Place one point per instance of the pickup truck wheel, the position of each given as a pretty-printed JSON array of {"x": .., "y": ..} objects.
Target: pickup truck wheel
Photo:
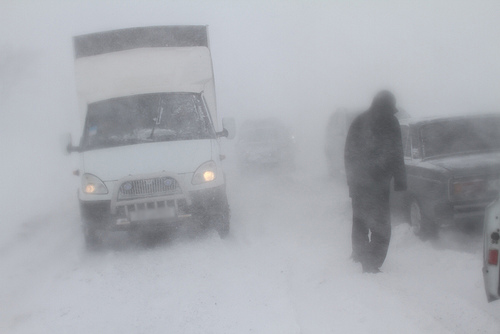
[{"x": 420, "y": 226}]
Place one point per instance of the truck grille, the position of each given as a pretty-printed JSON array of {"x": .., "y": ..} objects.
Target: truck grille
[
  {"x": 160, "y": 186},
  {"x": 154, "y": 210}
]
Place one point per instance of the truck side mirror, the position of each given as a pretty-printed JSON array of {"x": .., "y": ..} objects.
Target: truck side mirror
[
  {"x": 229, "y": 128},
  {"x": 66, "y": 143}
]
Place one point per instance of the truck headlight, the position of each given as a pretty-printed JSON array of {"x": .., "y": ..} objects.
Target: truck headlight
[
  {"x": 205, "y": 173},
  {"x": 92, "y": 185}
]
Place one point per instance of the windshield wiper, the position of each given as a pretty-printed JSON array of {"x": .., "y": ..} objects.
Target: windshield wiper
[{"x": 157, "y": 120}]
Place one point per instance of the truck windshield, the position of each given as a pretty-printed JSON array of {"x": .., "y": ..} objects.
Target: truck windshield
[
  {"x": 460, "y": 136},
  {"x": 146, "y": 118}
]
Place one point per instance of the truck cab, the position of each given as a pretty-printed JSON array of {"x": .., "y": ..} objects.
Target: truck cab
[{"x": 149, "y": 150}]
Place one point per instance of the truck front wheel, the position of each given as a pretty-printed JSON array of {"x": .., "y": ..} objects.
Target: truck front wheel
[
  {"x": 93, "y": 215},
  {"x": 94, "y": 237},
  {"x": 222, "y": 225}
]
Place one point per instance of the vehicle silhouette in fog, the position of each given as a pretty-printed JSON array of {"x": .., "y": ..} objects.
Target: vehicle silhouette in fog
[
  {"x": 452, "y": 164},
  {"x": 265, "y": 143},
  {"x": 335, "y": 136}
]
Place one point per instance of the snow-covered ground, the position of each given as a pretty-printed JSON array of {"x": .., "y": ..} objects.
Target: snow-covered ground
[{"x": 284, "y": 269}]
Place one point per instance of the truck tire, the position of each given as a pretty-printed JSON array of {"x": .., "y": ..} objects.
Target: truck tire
[
  {"x": 92, "y": 216},
  {"x": 221, "y": 224},
  {"x": 420, "y": 225},
  {"x": 93, "y": 236}
]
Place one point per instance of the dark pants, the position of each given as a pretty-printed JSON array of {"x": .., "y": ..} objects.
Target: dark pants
[{"x": 371, "y": 225}]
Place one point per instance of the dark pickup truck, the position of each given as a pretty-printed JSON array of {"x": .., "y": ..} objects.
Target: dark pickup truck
[{"x": 453, "y": 167}]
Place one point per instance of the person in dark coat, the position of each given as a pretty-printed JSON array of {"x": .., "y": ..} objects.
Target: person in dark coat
[{"x": 373, "y": 157}]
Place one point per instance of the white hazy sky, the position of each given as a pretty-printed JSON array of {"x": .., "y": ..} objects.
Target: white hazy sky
[
  {"x": 297, "y": 59},
  {"x": 306, "y": 56}
]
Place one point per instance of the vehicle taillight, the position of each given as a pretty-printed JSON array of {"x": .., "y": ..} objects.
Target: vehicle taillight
[{"x": 493, "y": 257}]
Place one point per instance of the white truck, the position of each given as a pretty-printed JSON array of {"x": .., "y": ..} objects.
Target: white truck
[{"x": 149, "y": 151}]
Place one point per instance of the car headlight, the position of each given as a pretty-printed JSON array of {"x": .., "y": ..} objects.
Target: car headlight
[
  {"x": 205, "y": 173},
  {"x": 92, "y": 185},
  {"x": 470, "y": 189}
]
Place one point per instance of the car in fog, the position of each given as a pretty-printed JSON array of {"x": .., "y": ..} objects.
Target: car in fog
[
  {"x": 335, "y": 135},
  {"x": 265, "y": 142},
  {"x": 453, "y": 166}
]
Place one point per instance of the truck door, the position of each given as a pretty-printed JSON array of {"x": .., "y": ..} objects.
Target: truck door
[{"x": 491, "y": 265}]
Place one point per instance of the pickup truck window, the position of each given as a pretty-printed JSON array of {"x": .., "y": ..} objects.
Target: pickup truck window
[
  {"x": 146, "y": 118},
  {"x": 459, "y": 136}
]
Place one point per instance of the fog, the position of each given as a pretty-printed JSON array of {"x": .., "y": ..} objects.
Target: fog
[{"x": 295, "y": 60}]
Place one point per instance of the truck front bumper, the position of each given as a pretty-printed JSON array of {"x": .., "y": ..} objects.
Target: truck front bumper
[
  {"x": 156, "y": 212},
  {"x": 452, "y": 213}
]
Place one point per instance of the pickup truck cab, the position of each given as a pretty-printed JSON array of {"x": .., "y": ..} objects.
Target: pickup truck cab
[
  {"x": 453, "y": 166},
  {"x": 149, "y": 149}
]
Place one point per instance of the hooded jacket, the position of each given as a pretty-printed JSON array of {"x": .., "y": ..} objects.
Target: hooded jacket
[{"x": 374, "y": 150}]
